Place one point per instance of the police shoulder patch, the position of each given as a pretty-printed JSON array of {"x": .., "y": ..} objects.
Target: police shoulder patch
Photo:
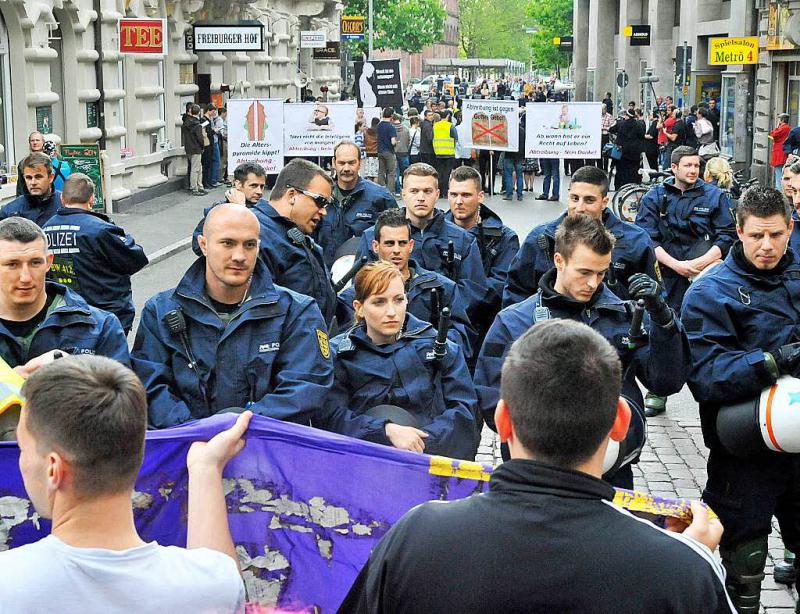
[{"x": 324, "y": 346}]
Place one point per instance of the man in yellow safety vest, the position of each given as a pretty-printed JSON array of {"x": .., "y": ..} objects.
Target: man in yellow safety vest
[{"x": 444, "y": 146}]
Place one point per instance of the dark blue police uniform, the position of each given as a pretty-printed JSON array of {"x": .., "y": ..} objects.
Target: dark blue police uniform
[
  {"x": 403, "y": 374},
  {"x": 794, "y": 239},
  {"x": 34, "y": 208},
  {"x": 686, "y": 224},
  {"x": 632, "y": 254},
  {"x": 96, "y": 258},
  {"x": 351, "y": 214},
  {"x": 72, "y": 326},
  {"x": 272, "y": 357}
]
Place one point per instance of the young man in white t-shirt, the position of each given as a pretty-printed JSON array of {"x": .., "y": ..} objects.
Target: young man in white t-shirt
[{"x": 81, "y": 439}]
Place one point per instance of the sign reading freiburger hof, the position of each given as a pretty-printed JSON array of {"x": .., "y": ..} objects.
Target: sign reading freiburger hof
[
  {"x": 562, "y": 130},
  {"x": 229, "y": 37}
]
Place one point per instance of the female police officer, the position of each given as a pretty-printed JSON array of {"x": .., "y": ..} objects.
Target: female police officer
[{"x": 390, "y": 386}]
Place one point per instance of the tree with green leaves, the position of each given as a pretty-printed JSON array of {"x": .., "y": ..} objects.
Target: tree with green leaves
[
  {"x": 408, "y": 25},
  {"x": 552, "y": 18},
  {"x": 494, "y": 29}
]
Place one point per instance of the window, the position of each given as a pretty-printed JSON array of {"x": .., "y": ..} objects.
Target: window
[{"x": 6, "y": 125}]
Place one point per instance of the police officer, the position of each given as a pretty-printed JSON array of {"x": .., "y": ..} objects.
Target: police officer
[
  {"x": 38, "y": 317},
  {"x": 497, "y": 242},
  {"x": 295, "y": 210},
  {"x": 41, "y": 200},
  {"x": 427, "y": 292},
  {"x": 743, "y": 325},
  {"x": 432, "y": 235},
  {"x": 588, "y": 194},
  {"x": 690, "y": 227},
  {"x": 391, "y": 358},
  {"x": 574, "y": 289},
  {"x": 92, "y": 255},
  {"x": 356, "y": 201},
  {"x": 227, "y": 337}
]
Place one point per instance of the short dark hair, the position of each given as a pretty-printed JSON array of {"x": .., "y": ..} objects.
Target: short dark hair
[
  {"x": 467, "y": 173},
  {"x": 21, "y": 230},
  {"x": 210, "y": 107},
  {"x": 195, "y": 109},
  {"x": 77, "y": 190},
  {"x": 37, "y": 159},
  {"x": 762, "y": 202},
  {"x": 95, "y": 410},
  {"x": 241, "y": 172},
  {"x": 391, "y": 218},
  {"x": 299, "y": 173},
  {"x": 702, "y": 112},
  {"x": 583, "y": 230},
  {"x": 388, "y": 112},
  {"x": 684, "y": 151},
  {"x": 593, "y": 175},
  {"x": 420, "y": 169},
  {"x": 561, "y": 381}
]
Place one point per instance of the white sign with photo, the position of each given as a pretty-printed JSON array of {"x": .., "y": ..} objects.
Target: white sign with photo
[
  {"x": 491, "y": 124},
  {"x": 313, "y": 129},
  {"x": 255, "y": 133},
  {"x": 563, "y": 130}
]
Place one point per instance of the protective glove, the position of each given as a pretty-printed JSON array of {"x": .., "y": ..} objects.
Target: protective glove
[
  {"x": 641, "y": 286},
  {"x": 787, "y": 359}
]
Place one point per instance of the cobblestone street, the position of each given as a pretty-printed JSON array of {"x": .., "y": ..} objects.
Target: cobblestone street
[{"x": 673, "y": 464}]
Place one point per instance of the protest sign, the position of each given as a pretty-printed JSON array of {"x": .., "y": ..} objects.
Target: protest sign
[
  {"x": 313, "y": 129},
  {"x": 562, "y": 130},
  {"x": 378, "y": 83},
  {"x": 491, "y": 124},
  {"x": 255, "y": 133}
]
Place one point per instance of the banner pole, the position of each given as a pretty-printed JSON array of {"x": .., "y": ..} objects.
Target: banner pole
[{"x": 491, "y": 173}]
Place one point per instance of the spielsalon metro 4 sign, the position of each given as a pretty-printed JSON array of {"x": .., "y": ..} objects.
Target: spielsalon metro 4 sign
[
  {"x": 733, "y": 50},
  {"x": 143, "y": 36}
]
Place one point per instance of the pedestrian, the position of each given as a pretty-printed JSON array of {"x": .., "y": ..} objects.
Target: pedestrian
[
  {"x": 545, "y": 509},
  {"x": 551, "y": 169},
  {"x": 389, "y": 360},
  {"x": 718, "y": 172},
  {"x": 588, "y": 194},
  {"x": 415, "y": 133},
  {"x": 61, "y": 168},
  {"x": 512, "y": 163},
  {"x": 274, "y": 361},
  {"x": 40, "y": 200},
  {"x": 402, "y": 150},
  {"x": 387, "y": 140},
  {"x": 210, "y": 157},
  {"x": 426, "y": 152},
  {"x": 444, "y": 146},
  {"x": 193, "y": 136},
  {"x": 675, "y": 133},
  {"x": 665, "y": 123},
  {"x": 221, "y": 124},
  {"x": 92, "y": 255},
  {"x": 371, "y": 164},
  {"x": 651, "y": 142},
  {"x": 691, "y": 138},
  {"x": 94, "y": 558},
  {"x": 608, "y": 103},
  {"x": 690, "y": 226},
  {"x": 778, "y": 137},
  {"x": 488, "y": 167},
  {"x": 606, "y": 121},
  {"x": 427, "y": 292},
  {"x": 704, "y": 133},
  {"x": 40, "y": 317},
  {"x": 630, "y": 140},
  {"x": 739, "y": 349},
  {"x": 35, "y": 145},
  {"x": 356, "y": 202},
  {"x": 530, "y": 168},
  {"x": 713, "y": 117}
]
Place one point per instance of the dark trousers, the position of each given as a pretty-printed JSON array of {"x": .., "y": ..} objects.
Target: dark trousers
[
  {"x": 627, "y": 172},
  {"x": 444, "y": 165}
]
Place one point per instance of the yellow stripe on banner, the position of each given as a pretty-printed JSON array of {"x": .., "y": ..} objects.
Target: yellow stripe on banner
[
  {"x": 451, "y": 468},
  {"x": 635, "y": 501}
]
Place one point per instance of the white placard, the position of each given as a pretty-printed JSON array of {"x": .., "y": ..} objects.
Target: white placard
[
  {"x": 562, "y": 130},
  {"x": 313, "y": 39},
  {"x": 491, "y": 124},
  {"x": 313, "y": 129},
  {"x": 229, "y": 38},
  {"x": 255, "y": 133}
]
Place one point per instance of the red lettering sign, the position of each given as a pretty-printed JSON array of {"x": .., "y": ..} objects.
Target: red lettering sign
[{"x": 142, "y": 36}]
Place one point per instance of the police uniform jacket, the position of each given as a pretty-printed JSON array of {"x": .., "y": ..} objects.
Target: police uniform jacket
[
  {"x": 430, "y": 247},
  {"x": 272, "y": 357},
  {"x": 74, "y": 327},
  {"x": 498, "y": 245},
  {"x": 701, "y": 213},
  {"x": 542, "y": 540},
  {"x": 403, "y": 374},
  {"x": 632, "y": 254},
  {"x": 33, "y": 208},
  {"x": 352, "y": 214},
  {"x": 96, "y": 258},
  {"x": 661, "y": 363},
  {"x": 420, "y": 303},
  {"x": 732, "y": 315},
  {"x": 794, "y": 239}
]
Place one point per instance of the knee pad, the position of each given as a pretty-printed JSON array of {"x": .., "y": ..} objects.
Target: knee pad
[{"x": 744, "y": 564}]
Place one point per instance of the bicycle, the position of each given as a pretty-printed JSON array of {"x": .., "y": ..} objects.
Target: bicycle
[{"x": 625, "y": 203}]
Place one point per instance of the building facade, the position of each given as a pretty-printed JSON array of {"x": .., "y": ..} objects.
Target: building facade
[
  {"x": 60, "y": 58},
  {"x": 599, "y": 34}
]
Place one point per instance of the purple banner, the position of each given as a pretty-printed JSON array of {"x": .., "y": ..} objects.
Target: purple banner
[{"x": 305, "y": 506}]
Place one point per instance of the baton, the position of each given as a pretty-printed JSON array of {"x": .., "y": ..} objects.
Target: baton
[
  {"x": 636, "y": 333},
  {"x": 440, "y": 345}
]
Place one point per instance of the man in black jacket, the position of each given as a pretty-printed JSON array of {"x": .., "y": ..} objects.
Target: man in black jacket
[
  {"x": 192, "y": 139},
  {"x": 522, "y": 546}
]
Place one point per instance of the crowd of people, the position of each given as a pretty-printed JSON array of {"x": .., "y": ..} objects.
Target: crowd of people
[{"x": 449, "y": 323}]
